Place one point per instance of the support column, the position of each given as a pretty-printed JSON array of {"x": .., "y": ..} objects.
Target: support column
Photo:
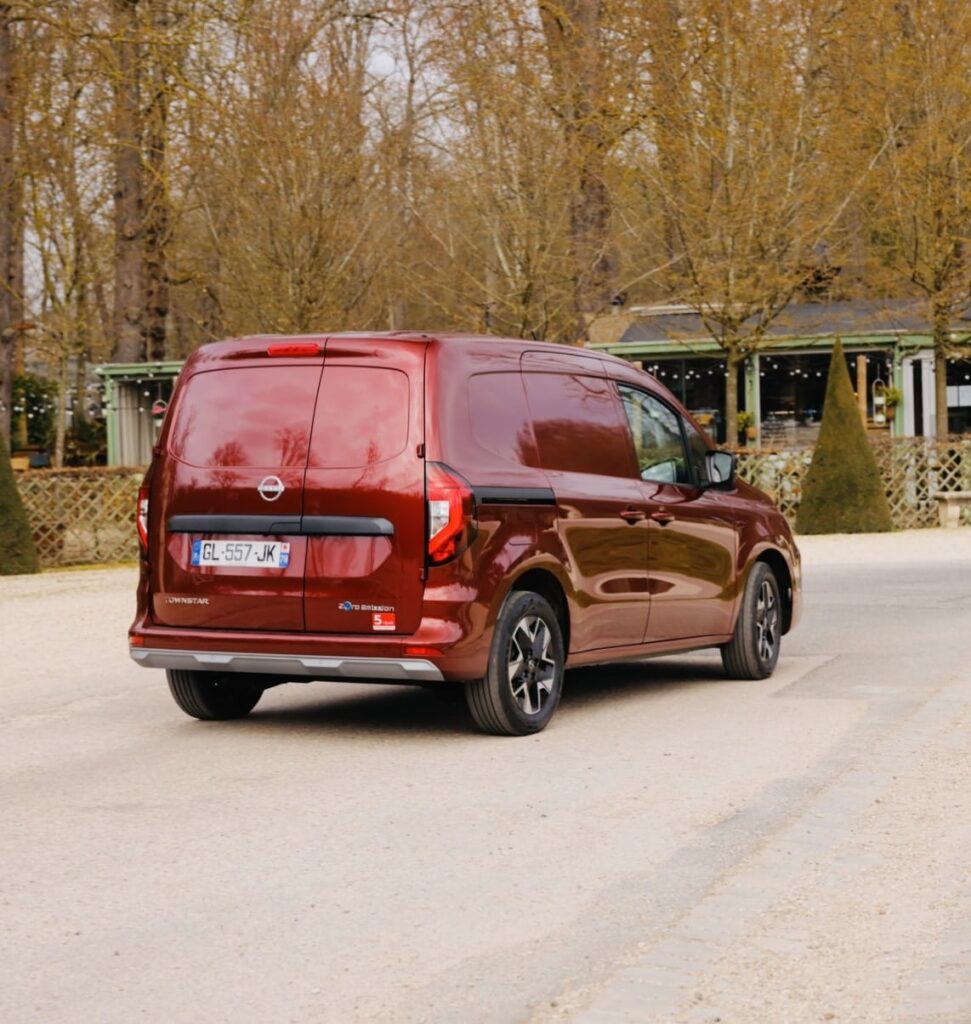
[
  {"x": 861, "y": 386},
  {"x": 897, "y": 427},
  {"x": 111, "y": 418}
]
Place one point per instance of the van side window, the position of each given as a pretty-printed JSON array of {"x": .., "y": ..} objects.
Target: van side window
[
  {"x": 578, "y": 424},
  {"x": 658, "y": 443}
]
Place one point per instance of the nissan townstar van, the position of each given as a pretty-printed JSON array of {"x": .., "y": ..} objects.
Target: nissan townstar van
[{"x": 456, "y": 511}]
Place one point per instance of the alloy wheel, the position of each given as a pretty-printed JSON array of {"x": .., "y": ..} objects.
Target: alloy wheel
[
  {"x": 766, "y": 621},
  {"x": 531, "y": 666}
]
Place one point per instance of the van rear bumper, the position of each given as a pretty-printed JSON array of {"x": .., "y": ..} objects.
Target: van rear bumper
[{"x": 290, "y": 666}]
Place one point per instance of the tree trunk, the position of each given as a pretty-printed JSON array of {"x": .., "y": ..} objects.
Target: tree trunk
[
  {"x": 211, "y": 307},
  {"x": 59, "y": 424},
  {"x": 940, "y": 392},
  {"x": 129, "y": 189},
  {"x": 80, "y": 411},
  {"x": 7, "y": 207},
  {"x": 942, "y": 337},
  {"x": 572, "y": 29},
  {"x": 157, "y": 198},
  {"x": 732, "y": 363}
]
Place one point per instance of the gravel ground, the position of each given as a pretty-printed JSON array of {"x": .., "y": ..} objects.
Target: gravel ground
[
  {"x": 674, "y": 849},
  {"x": 903, "y": 546}
]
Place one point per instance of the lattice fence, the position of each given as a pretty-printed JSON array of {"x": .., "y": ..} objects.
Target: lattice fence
[
  {"x": 88, "y": 515},
  {"x": 82, "y": 516},
  {"x": 913, "y": 470}
]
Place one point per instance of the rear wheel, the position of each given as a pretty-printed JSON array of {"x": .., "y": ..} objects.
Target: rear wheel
[
  {"x": 753, "y": 650},
  {"x": 524, "y": 679},
  {"x": 213, "y": 696}
]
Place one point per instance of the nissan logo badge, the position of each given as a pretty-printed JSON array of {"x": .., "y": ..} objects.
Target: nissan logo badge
[{"x": 270, "y": 488}]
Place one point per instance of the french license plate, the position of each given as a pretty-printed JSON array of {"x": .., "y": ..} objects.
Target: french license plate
[{"x": 257, "y": 554}]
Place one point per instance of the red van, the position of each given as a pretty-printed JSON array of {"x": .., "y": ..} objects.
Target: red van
[{"x": 428, "y": 509}]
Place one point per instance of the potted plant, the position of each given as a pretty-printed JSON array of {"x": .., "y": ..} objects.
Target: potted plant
[
  {"x": 892, "y": 397},
  {"x": 746, "y": 426}
]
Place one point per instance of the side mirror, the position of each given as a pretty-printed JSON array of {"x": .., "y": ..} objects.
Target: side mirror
[{"x": 721, "y": 470}]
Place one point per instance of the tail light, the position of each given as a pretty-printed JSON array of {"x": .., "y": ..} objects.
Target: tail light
[
  {"x": 141, "y": 517},
  {"x": 451, "y": 513}
]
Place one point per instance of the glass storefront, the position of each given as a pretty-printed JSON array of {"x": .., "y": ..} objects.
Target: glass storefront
[
  {"x": 959, "y": 395},
  {"x": 793, "y": 388},
  {"x": 699, "y": 384}
]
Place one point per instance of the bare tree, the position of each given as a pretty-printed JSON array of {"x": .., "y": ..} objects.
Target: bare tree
[
  {"x": 11, "y": 236},
  {"x": 740, "y": 105},
  {"x": 594, "y": 49},
  {"x": 918, "y": 103},
  {"x": 129, "y": 295}
]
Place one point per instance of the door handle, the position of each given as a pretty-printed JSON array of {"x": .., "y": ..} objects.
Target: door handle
[
  {"x": 633, "y": 515},
  {"x": 662, "y": 517}
]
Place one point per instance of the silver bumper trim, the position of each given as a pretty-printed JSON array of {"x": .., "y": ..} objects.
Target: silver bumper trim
[{"x": 294, "y": 666}]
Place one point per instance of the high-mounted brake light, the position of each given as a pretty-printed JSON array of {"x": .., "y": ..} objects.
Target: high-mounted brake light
[
  {"x": 141, "y": 517},
  {"x": 293, "y": 348},
  {"x": 451, "y": 513}
]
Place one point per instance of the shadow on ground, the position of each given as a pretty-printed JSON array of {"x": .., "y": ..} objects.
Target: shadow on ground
[{"x": 420, "y": 712}]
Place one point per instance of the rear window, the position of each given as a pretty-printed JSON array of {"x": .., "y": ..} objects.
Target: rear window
[
  {"x": 362, "y": 417},
  {"x": 579, "y": 424},
  {"x": 246, "y": 416}
]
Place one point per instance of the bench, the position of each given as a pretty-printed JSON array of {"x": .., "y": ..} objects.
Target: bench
[{"x": 949, "y": 504}]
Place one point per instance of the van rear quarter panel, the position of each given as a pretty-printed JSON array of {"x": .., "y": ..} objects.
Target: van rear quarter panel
[{"x": 477, "y": 387}]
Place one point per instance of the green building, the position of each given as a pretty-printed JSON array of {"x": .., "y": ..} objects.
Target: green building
[
  {"x": 136, "y": 396},
  {"x": 886, "y": 341}
]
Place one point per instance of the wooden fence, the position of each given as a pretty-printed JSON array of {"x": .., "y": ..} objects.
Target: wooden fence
[
  {"x": 913, "y": 470},
  {"x": 84, "y": 516}
]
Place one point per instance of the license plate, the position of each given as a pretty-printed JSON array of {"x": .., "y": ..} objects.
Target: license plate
[{"x": 257, "y": 554}]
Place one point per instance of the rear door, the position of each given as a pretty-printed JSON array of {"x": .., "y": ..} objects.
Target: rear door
[
  {"x": 231, "y": 490},
  {"x": 364, "y": 502}
]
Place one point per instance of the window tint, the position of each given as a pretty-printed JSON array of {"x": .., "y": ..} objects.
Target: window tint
[
  {"x": 361, "y": 418},
  {"x": 657, "y": 437},
  {"x": 246, "y": 416},
  {"x": 578, "y": 425},
  {"x": 500, "y": 418},
  {"x": 697, "y": 452}
]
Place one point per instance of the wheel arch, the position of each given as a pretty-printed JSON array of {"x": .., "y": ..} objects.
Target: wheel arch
[{"x": 544, "y": 582}]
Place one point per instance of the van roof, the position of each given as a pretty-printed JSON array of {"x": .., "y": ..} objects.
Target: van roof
[{"x": 254, "y": 344}]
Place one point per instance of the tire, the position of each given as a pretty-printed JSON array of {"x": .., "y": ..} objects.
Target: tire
[
  {"x": 213, "y": 696},
  {"x": 753, "y": 651},
  {"x": 524, "y": 679}
]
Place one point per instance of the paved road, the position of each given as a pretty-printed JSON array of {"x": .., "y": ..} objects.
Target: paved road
[{"x": 674, "y": 848}]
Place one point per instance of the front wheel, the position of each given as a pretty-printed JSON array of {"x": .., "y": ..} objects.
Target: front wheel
[
  {"x": 524, "y": 679},
  {"x": 753, "y": 650},
  {"x": 213, "y": 696}
]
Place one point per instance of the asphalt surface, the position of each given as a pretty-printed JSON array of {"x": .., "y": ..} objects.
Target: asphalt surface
[{"x": 674, "y": 848}]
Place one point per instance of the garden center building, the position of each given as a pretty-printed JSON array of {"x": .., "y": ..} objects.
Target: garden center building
[
  {"x": 783, "y": 384},
  {"x": 886, "y": 341}
]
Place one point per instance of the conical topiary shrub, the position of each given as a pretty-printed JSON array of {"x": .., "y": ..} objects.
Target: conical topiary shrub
[
  {"x": 17, "y": 551},
  {"x": 843, "y": 492}
]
